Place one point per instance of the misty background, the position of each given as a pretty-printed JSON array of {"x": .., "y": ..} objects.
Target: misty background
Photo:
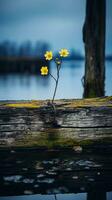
[{"x": 58, "y": 24}]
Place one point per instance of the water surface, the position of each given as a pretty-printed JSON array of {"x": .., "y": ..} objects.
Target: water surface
[
  {"x": 32, "y": 174},
  {"x": 26, "y": 86}
]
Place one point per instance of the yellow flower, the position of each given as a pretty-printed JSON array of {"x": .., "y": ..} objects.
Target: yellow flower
[
  {"x": 64, "y": 53},
  {"x": 48, "y": 55},
  {"x": 44, "y": 70}
]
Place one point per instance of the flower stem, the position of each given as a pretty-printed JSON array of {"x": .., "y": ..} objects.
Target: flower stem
[
  {"x": 58, "y": 69},
  {"x": 52, "y": 76}
]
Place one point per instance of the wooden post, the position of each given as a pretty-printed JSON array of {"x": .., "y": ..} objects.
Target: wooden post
[{"x": 94, "y": 39}]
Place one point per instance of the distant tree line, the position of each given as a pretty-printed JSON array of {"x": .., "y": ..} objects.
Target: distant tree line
[{"x": 26, "y": 48}]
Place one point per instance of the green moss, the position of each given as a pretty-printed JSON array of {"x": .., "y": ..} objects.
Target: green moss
[
  {"x": 33, "y": 140},
  {"x": 27, "y": 104},
  {"x": 45, "y": 142},
  {"x": 89, "y": 102}
]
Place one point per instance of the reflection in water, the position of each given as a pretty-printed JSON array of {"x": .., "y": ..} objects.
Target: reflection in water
[
  {"x": 38, "y": 87},
  {"x": 25, "y": 86},
  {"x": 55, "y": 174}
]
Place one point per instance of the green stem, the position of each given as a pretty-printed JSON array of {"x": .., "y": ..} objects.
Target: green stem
[
  {"x": 58, "y": 69},
  {"x": 52, "y": 76}
]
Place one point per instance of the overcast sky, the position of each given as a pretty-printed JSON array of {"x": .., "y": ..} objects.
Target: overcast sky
[{"x": 58, "y": 22}]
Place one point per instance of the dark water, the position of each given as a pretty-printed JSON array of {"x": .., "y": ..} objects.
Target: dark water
[
  {"x": 37, "y": 87},
  {"x": 51, "y": 175}
]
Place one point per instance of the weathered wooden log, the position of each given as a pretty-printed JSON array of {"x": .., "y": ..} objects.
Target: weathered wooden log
[{"x": 33, "y": 123}]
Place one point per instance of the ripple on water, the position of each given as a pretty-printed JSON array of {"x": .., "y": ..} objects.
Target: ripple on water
[
  {"x": 36, "y": 186},
  {"x": 75, "y": 177},
  {"x": 40, "y": 175},
  {"x": 15, "y": 178},
  {"x": 54, "y": 168},
  {"x": 27, "y": 180},
  {"x": 12, "y": 151},
  {"x": 28, "y": 192},
  {"x": 47, "y": 180},
  {"x": 69, "y": 169},
  {"x": 87, "y": 163},
  {"x": 50, "y": 172},
  {"x": 91, "y": 179},
  {"x": 48, "y": 162}
]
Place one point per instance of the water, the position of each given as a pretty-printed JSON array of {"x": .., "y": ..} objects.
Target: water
[
  {"x": 55, "y": 175},
  {"x": 48, "y": 197},
  {"x": 82, "y": 196},
  {"x": 32, "y": 175},
  {"x": 37, "y": 87}
]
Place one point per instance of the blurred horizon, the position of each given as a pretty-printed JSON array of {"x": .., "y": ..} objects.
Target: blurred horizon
[
  {"x": 31, "y": 27},
  {"x": 54, "y": 22}
]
